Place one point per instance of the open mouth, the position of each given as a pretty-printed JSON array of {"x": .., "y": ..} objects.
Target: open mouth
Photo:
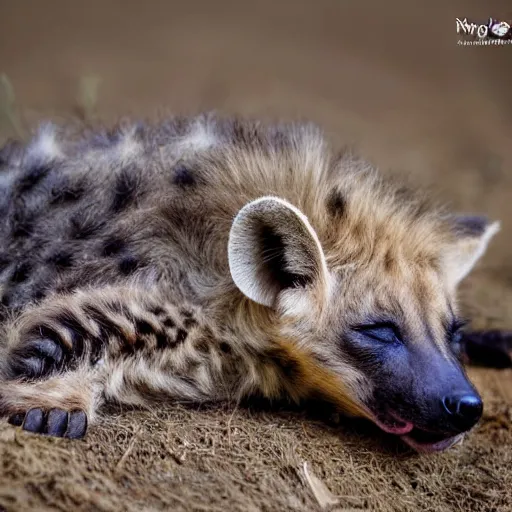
[
  {"x": 428, "y": 442},
  {"x": 421, "y": 440}
]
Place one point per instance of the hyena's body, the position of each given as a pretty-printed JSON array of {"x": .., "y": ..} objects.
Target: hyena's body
[{"x": 125, "y": 277}]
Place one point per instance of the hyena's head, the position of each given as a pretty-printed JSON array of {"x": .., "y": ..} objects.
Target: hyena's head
[{"x": 369, "y": 295}]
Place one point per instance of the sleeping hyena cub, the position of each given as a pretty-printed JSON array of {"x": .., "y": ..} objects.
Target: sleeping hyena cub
[{"x": 210, "y": 259}]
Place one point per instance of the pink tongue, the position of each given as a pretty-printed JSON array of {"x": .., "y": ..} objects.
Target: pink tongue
[{"x": 399, "y": 428}]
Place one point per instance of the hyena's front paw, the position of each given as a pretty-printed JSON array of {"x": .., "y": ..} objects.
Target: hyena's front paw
[
  {"x": 55, "y": 422},
  {"x": 35, "y": 357}
]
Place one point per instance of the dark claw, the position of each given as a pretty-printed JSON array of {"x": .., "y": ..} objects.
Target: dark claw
[
  {"x": 17, "y": 419},
  {"x": 77, "y": 425},
  {"x": 34, "y": 420},
  {"x": 56, "y": 423}
]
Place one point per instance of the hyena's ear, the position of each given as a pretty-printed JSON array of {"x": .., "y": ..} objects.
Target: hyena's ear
[
  {"x": 272, "y": 247},
  {"x": 472, "y": 236}
]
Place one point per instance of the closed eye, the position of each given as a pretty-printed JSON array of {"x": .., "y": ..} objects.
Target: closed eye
[
  {"x": 385, "y": 332},
  {"x": 455, "y": 331}
]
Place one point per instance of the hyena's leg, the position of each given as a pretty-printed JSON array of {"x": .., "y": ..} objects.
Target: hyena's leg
[
  {"x": 131, "y": 339},
  {"x": 491, "y": 348},
  {"x": 65, "y": 332},
  {"x": 61, "y": 405}
]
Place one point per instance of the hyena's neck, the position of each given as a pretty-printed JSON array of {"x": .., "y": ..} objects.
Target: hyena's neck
[
  {"x": 246, "y": 330},
  {"x": 271, "y": 365}
]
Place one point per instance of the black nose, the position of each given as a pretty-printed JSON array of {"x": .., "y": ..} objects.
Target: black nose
[{"x": 464, "y": 409}]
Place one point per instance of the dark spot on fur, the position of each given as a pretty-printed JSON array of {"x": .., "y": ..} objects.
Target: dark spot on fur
[
  {"x": 113, "y": 246},
  {"x": 32, "y": 177},
  {"x": 63, "y": 190},
  {"x": 189, "y": 320},
  {"x": 336, "y": 204},
  {"x": 61, "y": 259},
  {"x": 169, "y": 322},
  {"x": 181, "y": 336},
  {"x": 84, "y": 225},
  {"x": 183, "y": 177},
  {"x": 128, "y": 264},
  {"x": 162, "y": 340},
  {"x": 225, "y": 347},
  {"x": 21, "y": 272},
  {"x": 39, "y": 295},
  {"x": 157, "y": 311},
  {"x": 126, "y": 188},
  {"x": 143, "y": 327}
]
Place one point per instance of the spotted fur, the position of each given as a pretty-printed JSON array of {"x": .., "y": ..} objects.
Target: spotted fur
[{"x": 214, "y": 259}]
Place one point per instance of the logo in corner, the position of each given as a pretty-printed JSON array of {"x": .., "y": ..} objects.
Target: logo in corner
[{"x": 494, "y": 32}]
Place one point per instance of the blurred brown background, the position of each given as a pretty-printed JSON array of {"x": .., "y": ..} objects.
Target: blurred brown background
[{"x": 387, "y": 76}]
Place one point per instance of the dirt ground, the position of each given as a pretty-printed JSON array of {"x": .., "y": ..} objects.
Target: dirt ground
[{"x": 386, "y": 76}]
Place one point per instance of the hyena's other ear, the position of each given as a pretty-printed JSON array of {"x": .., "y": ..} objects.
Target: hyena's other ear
[
  {"x": 472, "y": 236},
  {"x": 272, "y": 247}
]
